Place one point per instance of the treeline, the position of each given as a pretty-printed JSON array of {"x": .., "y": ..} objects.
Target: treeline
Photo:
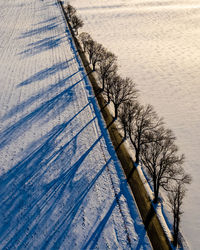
[{"x": 153, "y": 143}]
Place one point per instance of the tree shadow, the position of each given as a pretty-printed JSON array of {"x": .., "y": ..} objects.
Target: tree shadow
[
  {"x": 110, "y": 124},
  {"x": 124, "y": 188},
  {"x": 39, "y": 30},
  {"x": 106, "y": 103},
  {"x": 46, "y": 43},
  {"x": 119, "y": 145},
  {"x": 41, "y": 195},
  {"x": 28, "y": 197},
  {"x": 42, "y": 45},
  {"x": 149, "y": 217},
  {"x": 60, "y": 101},
  {"x": 62, "y": 227},
  {"x": 41, "y": 75},
  {"x": 147, "y": 222},
  {"x": 52, "y": 19},
  {"x": 43, "y": 94},
  {"x": 93, "y": 240},
  {"x": 134, "y": 166}
]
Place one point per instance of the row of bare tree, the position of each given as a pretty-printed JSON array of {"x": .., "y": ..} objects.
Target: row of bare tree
[
  {"x": 75, "y": 21},
  {"x": 154, "y": 144}
]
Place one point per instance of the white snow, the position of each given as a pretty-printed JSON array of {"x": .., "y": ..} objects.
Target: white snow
[
  {"x": 158, "y": 46},
  {"x": 61, "y": 185}
]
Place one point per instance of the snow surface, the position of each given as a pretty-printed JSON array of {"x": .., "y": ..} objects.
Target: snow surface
[
  {"x": 61, "y": 185},
  {"x": 158, "y": 46}
]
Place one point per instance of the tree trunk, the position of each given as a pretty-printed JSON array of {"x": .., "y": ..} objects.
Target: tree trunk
[
  {"x": 94, "y": 66},
  {"x": 156, "y": 190},
  {"x": 175, "y": 231},
  {"x": 116, "y": 111},
  {"x": 103, "y": 83},
  {"x": 176, "y": 228},
  {"x": 137, "y": 158},
  {"x": 174, "y": 223},
  {"x": 125, "y": 133},
  {"x": 136, "y": 149},
  {"x": 137, "y": 155},
  {"x": 90, "y": 58},
  {"x": 108, "y": 95}
]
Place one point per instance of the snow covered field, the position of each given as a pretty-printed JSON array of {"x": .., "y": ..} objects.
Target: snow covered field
[
  {"x": 61, "y": 185},
  {"x": 158, "y": 46}
]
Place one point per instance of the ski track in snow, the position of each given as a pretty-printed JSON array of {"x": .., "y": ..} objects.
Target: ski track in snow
[
  {"x": 61, "y": 186},
  {"x": 158, "y": 46}
]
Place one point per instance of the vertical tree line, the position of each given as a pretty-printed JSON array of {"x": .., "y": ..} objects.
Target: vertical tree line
[{"x": 154, "y": 144}]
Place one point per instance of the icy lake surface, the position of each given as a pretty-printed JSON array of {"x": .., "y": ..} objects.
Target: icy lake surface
[{"x": 158, "y": 45}]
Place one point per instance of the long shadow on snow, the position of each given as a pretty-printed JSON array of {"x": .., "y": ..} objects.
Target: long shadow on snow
[
  {"x": 22, "y": 189},
  {"x": 45, "y": 73},
  {"x": 124, "y": 189},
  {"x": 60, "y": 101},
  {"x": 47, "y": 20},
  {"x": 21, "y": 183},
  {"x": 45, "y": 43},
  {"x": 42, "y": 45},
  {"x": 93, "y": 240},
  {"x": 62, "y": 227},
  {"x": 46, "y": 143},
  {"x": 21, "y": 125},
  {"x": 39, "y": 30},
  {"x": 43, "y": 94},
  {"x": 50, "y": 203}
]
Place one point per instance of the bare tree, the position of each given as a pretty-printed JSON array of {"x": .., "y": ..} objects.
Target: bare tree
[
  {"x": 97, "y": 55},
  {"x": 70, "y": 11},
  {"x": 106, "y": 66},
  {"x": 141, "y": 126},
  {"x": 95, "y": 51},
  {"x": 84, "y": 37},
  {"x": 160, "y": 157},
  {"x": 121, "y": 90},
  {"x": 76, "y": 23},
  {"x": 90, "y": 49},
  {"x": 73, "y": 19},
  {"x": 108, "y": 81},
  {"x": 175, "y": 197},
  {"x": 127, "y": 114}
]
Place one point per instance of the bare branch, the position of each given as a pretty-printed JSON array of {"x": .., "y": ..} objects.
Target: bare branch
[
  {"x": 97, "y": 55},
  {"x": 141, "y": 128},
  {"x": 106, "y": 66},
  {"x": 121, "y": 91},
  {"x": 160, "y": 158},
  {"x": 175, "y": 198},
  {"x": 76, "y": 23},
  {"x": 70, "y": 11},
  {"x": 84, "y": 37}
]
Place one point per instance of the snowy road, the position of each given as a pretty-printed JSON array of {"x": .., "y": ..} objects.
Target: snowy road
[{"x": 61, "y": 185}]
